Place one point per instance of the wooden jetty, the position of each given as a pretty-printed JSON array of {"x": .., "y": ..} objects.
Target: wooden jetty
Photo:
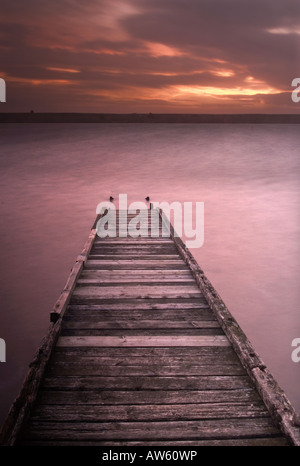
[{"x": 141, "y": 350}]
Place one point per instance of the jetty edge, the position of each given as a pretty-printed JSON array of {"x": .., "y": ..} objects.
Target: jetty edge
[{"x": 275, "y": 400}]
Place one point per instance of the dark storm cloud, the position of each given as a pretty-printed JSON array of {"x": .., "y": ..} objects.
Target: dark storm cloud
[
  {"x": 116, "y": 52},
  {"x": 234, "y": 30}
]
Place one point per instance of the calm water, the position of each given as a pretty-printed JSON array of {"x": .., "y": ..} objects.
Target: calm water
[{"x": 53, "y": 176}]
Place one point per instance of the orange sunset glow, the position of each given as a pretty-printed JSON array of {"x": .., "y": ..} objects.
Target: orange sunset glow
[{"x": 196, "y": 56}]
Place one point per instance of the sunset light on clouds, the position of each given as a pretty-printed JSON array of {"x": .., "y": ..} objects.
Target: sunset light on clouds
[{"x": 164, "y": 56}]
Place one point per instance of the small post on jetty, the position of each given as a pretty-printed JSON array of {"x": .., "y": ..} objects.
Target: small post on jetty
[{"x": 141, "y": 350}]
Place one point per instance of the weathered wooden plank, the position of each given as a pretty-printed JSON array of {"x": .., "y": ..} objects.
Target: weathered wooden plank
[
  {"x": 147, "y": 383},
  {"x": 130, "y": 241},
  {"x": 136, "y": 274},
  {"x": 135, "y": 292},
  {"x": 180, "y": 306},
  {"x": 171, "y": 272},
  {"x": 166, "y": 364},
  {"x": 130, "y": 255},
  {"x": 142, "y": 332},
  {"x": 200, "y": 429},
  {"x": 146, "y": 356},
  {"x": 127, "y": 413},
  {"x": 142, "y": 229},
  {"x": 136, "y": 302},
  {"x": 152, "y": 262},
  {"x": 135, "y": 288},
  {"x": 85, "y": 298},
  {"x": 74, "y": 369},
  {"x": 127, "y": 265},
  {"x": 152, "y": 397},
  {"x": 144, "y": 341},
  {"x": 107, "y": 316},
  {"x": 133, "y": 281},
  {"x": 275, "y": 441},
  {"x": 134, "y": 257},
  {"x": 137, "y": 253},
  {"x": 132, "y": 273},
  {"x": 125, "y": 249},
  {"x": 95, "y": 323}
]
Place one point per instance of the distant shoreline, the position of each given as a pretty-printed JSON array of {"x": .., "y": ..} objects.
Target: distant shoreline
[{"x": 32, "y": 117}]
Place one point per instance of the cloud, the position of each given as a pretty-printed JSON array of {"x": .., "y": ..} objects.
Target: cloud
[{"x": 197, "y": 55}]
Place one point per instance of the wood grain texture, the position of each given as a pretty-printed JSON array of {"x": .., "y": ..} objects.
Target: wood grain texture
[
  {"x": 140, "y": 355},
  {"x": 200, "y": 429},
  {"x": 143, "y": 341},
  {"x": 150, "y": 412}
]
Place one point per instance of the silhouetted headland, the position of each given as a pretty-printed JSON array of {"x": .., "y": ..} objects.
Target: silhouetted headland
[{"x": 32, "y": 117}]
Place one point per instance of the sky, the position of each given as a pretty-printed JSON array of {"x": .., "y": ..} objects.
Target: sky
[{"x": 160, "y": 56}]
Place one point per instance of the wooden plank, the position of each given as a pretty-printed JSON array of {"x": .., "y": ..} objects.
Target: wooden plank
[
  {"x": 147, "y": 383},
  {"x": 143, "y": 357},
  {"x": 146, "y": 262},
  {"x": 135, "y": 292},
  {"x": 153, "y": 249},
  {"x": 132, "y": 272},
  {"x": 184, "y": 369},
  {"x": 111, "y": 288},
  {"x": 180, "y": 306},
  {"x": 95, "y": 323},
  {"x": 155, "y": 351},
  {"x": 89, "y": 360},
  {"x": 134, "y": 257},
  {"x": 119, "y": 304},
  {"x": 128, "y": 265},
  {"x": 275, "y": 441},
  {"x": 138, "y": 272},
  {"x": 82, "y": 295},
  {"x": 135, "y": 280},
  {"x": 94, "y": 315},
  {"x": 200, "y": 429},
  {"x": 130, "y": 240},
  {"x": 142, "y": 332},
  {"x": 170, "y": 412},
  {"x": 152, "y": 397},
  {"x": 138, "y": 291},
  {"x": 144, "y": 341},
  {"x": 134, "y": 252},
  {"x": 136, "y": 275}
]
